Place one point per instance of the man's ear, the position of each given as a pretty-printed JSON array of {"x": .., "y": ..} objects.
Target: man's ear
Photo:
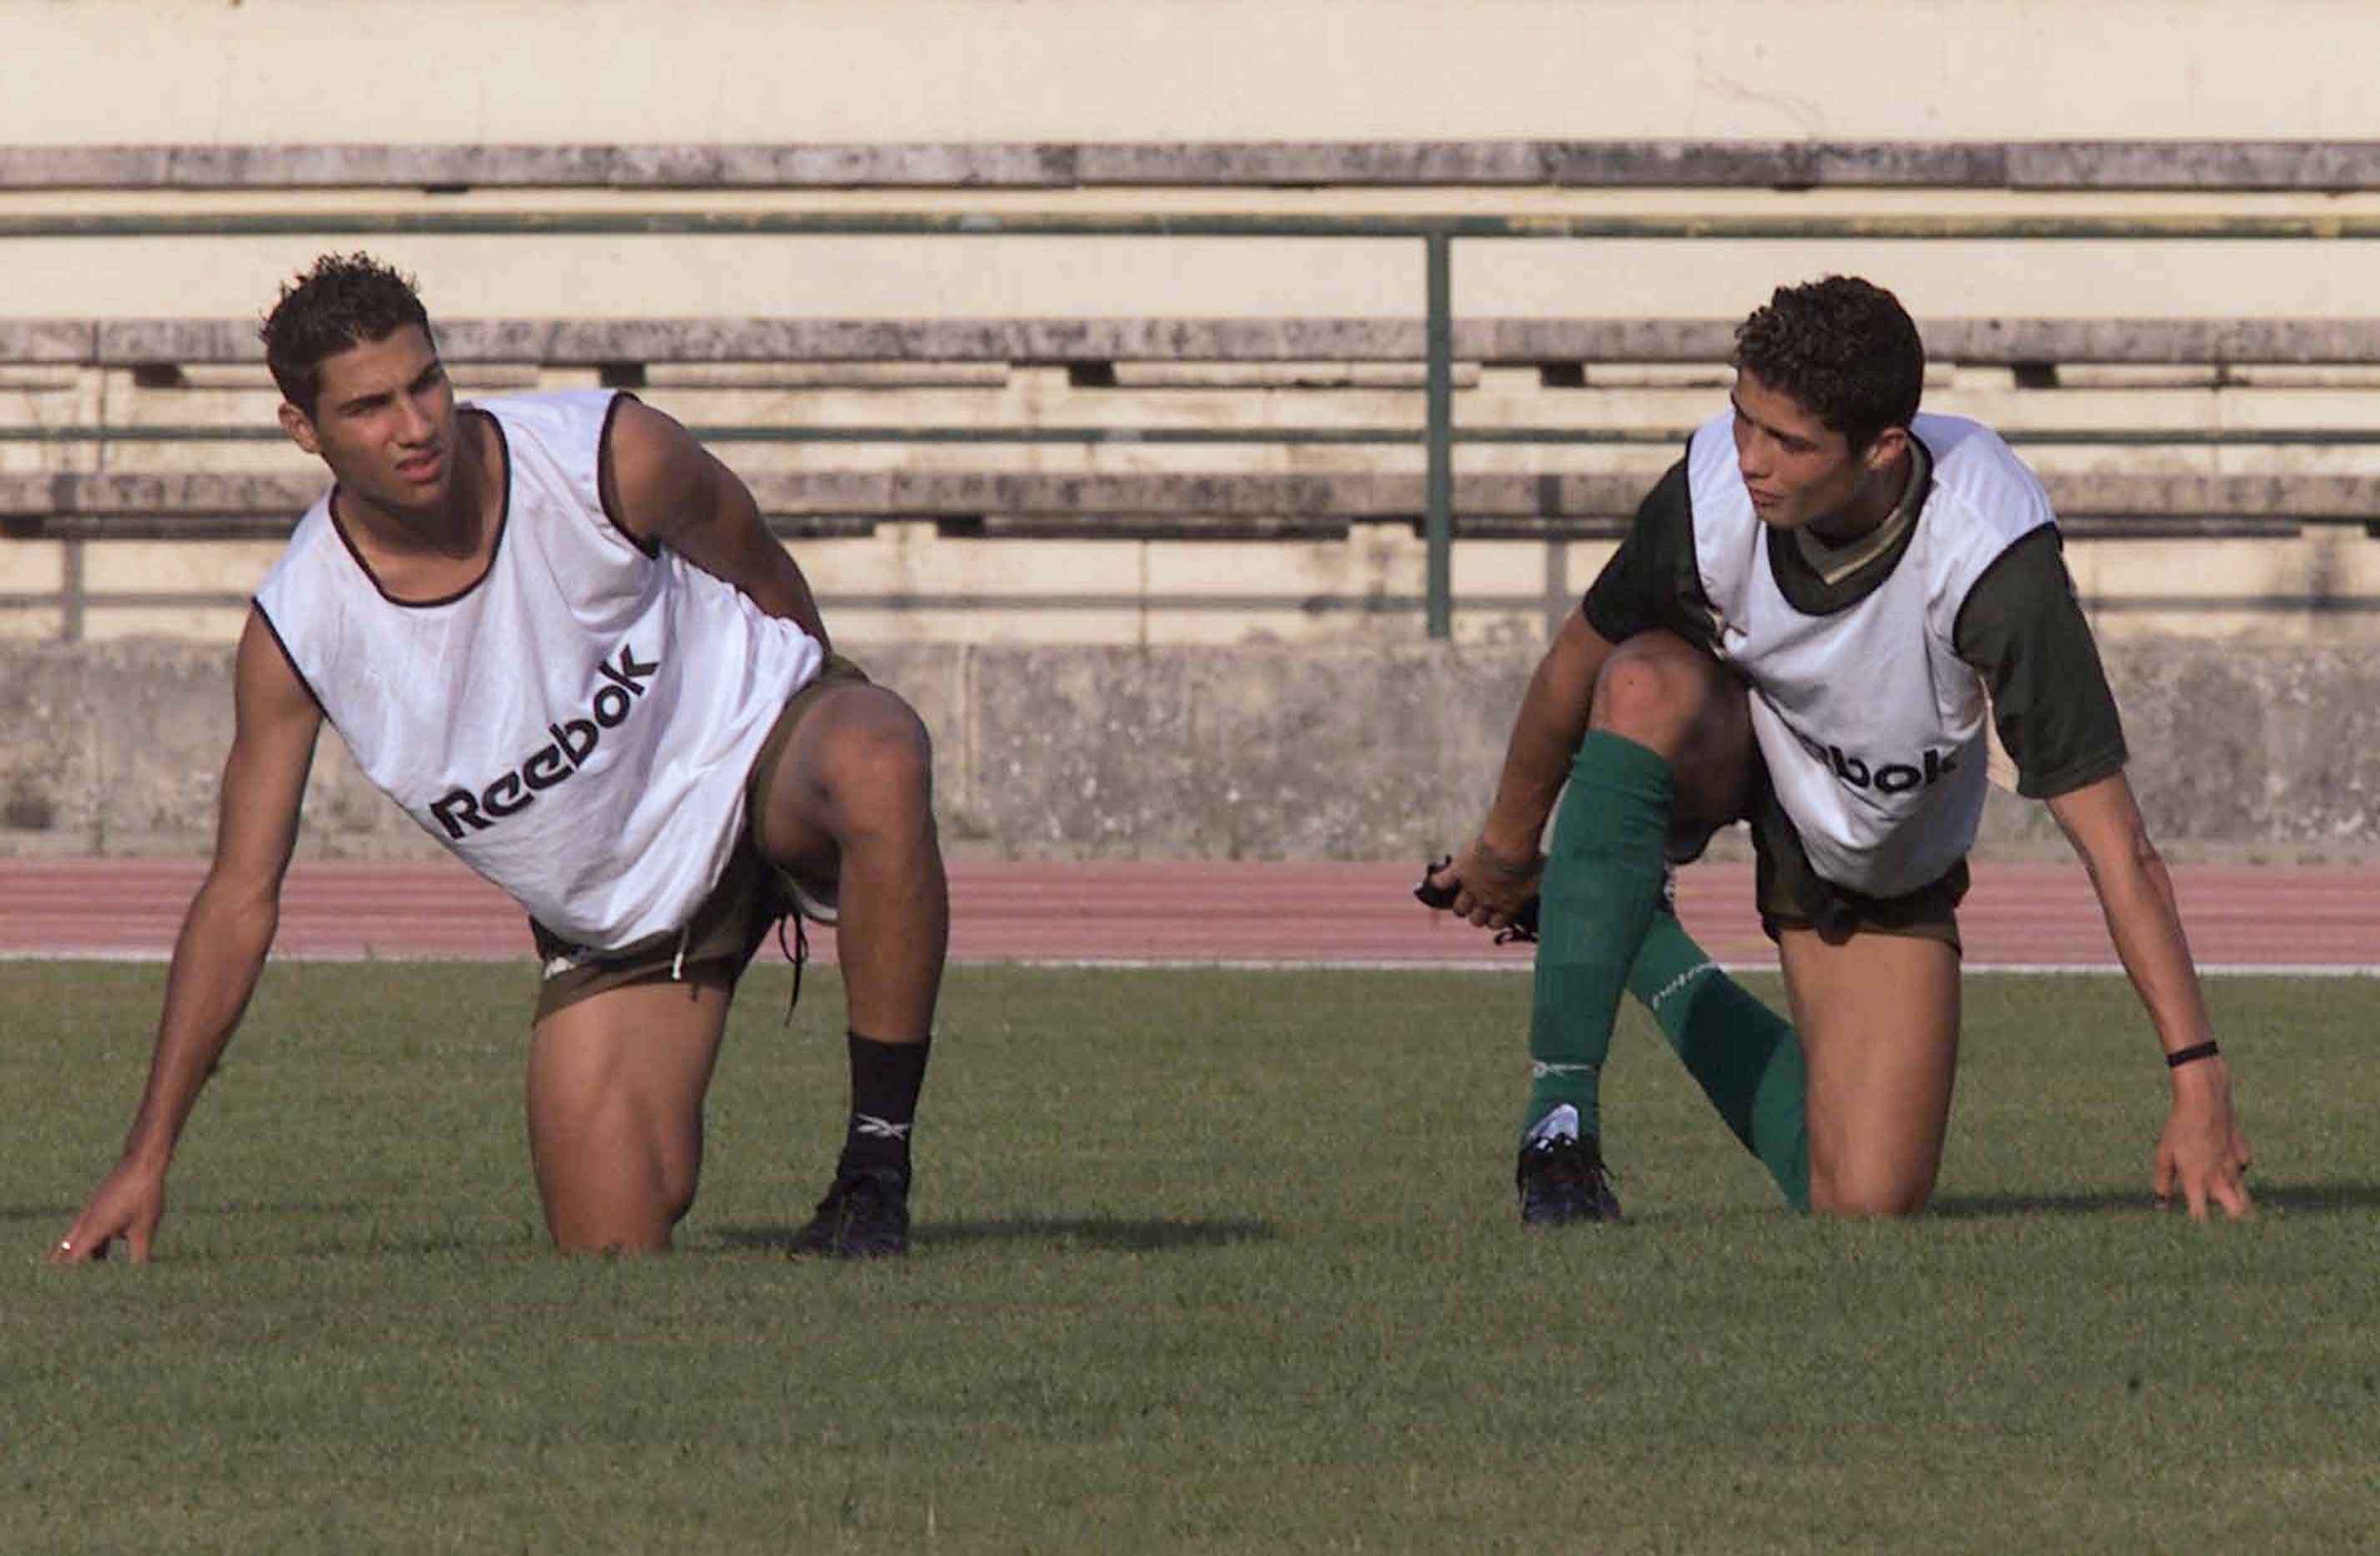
[
  {"x": 1885, "y": 447},
  {"x": 300, "y": 429}
]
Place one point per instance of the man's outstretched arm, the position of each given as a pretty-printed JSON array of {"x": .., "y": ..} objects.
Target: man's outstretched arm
[
  {"x": 222, "y": 942},
  {"x": 2201, "y": 1149}
]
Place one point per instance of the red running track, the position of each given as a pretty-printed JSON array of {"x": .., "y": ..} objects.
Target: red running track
[{"x": 2019, "y": 915}]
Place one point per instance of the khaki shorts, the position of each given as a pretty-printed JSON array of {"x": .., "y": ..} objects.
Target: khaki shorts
[
  {"x": 729, "y": 925},
  {"x": 1791, "y": 894}
]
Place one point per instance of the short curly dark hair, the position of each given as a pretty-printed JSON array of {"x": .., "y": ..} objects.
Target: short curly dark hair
[
  {"x": 1843, "y": 349},
  {"x": 346, "y": 300}
]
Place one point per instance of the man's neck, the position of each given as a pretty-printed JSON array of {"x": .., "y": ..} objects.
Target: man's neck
[
  {"x": 1878, "y": 497},
  {"x": 1837, "y": 559}
]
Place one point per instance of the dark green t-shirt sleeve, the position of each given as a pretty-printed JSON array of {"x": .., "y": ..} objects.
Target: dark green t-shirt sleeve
[
  {"x": 2023, "y": 631},
  {"x": 1651, "y": 581}
]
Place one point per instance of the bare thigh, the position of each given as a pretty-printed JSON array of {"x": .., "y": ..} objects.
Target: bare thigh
[
  {"x": 616, "y": 1088},
  {"x": 1878, "y": 1016}
]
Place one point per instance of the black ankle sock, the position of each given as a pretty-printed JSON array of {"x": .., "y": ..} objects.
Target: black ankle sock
[{"x": 885, "y": 1080}]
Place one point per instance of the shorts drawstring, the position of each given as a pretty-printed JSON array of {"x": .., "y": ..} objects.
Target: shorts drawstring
[
  {"x": 677, "y": 964},
  {"x": 797, "y": 953}
]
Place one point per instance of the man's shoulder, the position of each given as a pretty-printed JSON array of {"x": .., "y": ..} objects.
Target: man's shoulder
[
  {"x": 313, "y": 531},
  {"x": 1673, "y": 494},
  {"x": 550, "y": 412},
  {"x": 556, "y": 446},
  {"x": 308, "y": 596},
  {"x": 1976, "y": 472},
  {"x": 1664, "y": 525},
  {"x": 1970, "y": 457}
]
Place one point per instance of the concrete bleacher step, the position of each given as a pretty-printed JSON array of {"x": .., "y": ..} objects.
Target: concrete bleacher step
[
  {"x": 2004, "y": 342},
  {"x": 2229, "y": 164},
  {"x": 1182, "y": 505},
  {"x": 1535, "y": 396}
]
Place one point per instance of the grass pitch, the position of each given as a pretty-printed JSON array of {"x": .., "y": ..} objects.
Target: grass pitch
[{"x": 1215, "y": 1261}]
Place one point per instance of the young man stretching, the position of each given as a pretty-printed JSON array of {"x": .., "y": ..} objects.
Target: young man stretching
[
  {"x": 555, "y": 631},
  {"x": 1808, "y": 627}
]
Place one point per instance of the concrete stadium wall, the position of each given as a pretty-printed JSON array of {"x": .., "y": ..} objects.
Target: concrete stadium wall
[{"x": 1325, "y": 753}]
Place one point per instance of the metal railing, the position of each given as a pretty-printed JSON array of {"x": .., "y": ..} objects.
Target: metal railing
[{"x": 1436, "y": 234}]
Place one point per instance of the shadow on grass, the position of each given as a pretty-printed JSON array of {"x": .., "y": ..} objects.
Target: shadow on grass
[
  {"x": 1081, "y": 1232},
  {"x": 2330, "y": 1198},
  {"x": 2316, "y": 1197}
]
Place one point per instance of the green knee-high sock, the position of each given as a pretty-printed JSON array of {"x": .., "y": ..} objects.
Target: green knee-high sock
[
  {"x": 1746, "y": 1058},
  {"x": 1602, "y": 884}
]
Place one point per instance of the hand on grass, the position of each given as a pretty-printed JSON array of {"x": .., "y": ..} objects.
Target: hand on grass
[
  {"x": 128, "y": 1205},
  {"x": 2202, "y": 1148}
]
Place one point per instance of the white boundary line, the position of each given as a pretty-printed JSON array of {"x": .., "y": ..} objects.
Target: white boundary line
[
  {"x": 2023, "y": 969},
  {"x": 1238, "y": 964}
]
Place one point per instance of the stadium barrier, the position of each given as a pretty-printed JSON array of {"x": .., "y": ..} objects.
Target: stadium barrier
[{"x": 1384, "y": 751}]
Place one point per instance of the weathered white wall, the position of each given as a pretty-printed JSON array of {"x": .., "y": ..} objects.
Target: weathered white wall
[
  {"x": 560, "y": 71},
  {"x": 466, "y": 70}
]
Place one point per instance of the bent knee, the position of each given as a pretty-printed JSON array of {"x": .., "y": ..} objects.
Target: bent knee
[
  {"x": 616, "y": 1225},
  {"x": 1873, "y": 1195},
  {"x": 880, "y": 755},
  {"x": 619, "y": 1242},
  {"x": 1661, "y": 692},
  {"x": 859, "y": 769},
  {"x": 618, "y": 1207}
]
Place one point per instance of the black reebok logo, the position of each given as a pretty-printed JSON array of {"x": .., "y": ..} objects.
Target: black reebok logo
[
  {"x": 574, "y": 740},
  {"x": 1893, "y": 777}
]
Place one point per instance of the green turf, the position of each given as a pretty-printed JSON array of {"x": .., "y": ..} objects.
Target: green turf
[{"x": 1216, "y": 1261}]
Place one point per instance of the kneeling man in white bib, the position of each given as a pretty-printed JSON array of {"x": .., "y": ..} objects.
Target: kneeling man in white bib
[
  {"x": 1814, "y": 616},
  {"x": 555, "y": 631}
]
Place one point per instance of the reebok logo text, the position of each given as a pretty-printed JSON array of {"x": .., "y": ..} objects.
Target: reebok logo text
[
  {"x": 1891, "y": 777},
  {"x": 573, "y": 742}
]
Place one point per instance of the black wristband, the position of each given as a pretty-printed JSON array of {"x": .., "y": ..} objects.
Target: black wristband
[{"x": 2192, "y": 1054}]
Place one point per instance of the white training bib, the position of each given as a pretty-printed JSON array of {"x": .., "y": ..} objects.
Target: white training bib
[
  {"x": 578, "y": 724},
  {"x": 1871, "y": 727}
]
